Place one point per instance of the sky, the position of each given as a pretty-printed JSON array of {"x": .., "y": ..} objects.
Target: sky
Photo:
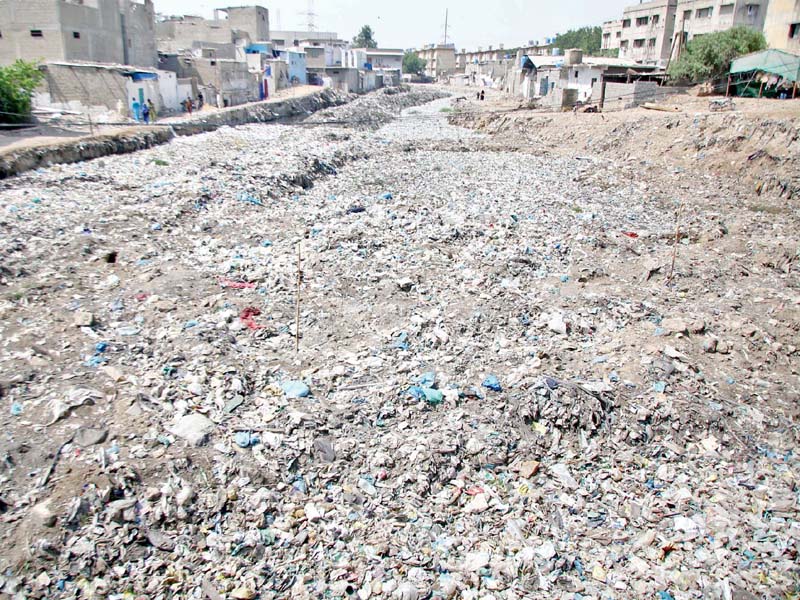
[{"x": 414, "y": 23}]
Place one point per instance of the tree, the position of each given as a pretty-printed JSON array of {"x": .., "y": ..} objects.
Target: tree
[
  {"x": 17, "y": 84},
  {"x": 588, "y": 39},
  {"x": 709, "y": 56},
  {"x": 365, "y": 38},
  {"x": 413, "y": 64}
]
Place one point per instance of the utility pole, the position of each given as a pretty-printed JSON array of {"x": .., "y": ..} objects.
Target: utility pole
[{"x": 446, "y": 19}]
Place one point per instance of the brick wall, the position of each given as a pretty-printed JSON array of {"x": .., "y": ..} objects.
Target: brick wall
[{"x": 90, "y": 86}]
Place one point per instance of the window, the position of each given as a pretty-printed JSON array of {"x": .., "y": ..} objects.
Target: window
[
  {"x": 594, "y": 80},
  {"x": 794, "y": 31},
  {"x": 651, "y": 43},
  {"x": 626, "y": 23},
  {"x": 687, "y": 15},
  {"x": 752, "y": 10},
  {"x": 76, "y": 35},
  {"x": 638, "y": 43},
  {"x": 726, "y": 9},
  {"x": 619, "y": 34},
  {"x": 623, "y": 45},
  {"x": 36, "y": 33},
  {"x": 640, "y": 21},
  {"x": 576, "y": 74},
  {"x": 705, "y": 13},
  {"x": 656, "y": 19}
]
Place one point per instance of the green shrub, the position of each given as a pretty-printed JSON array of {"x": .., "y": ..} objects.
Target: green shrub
[
  {"x": 17, "y": 83},
  {"x": 709, "y": 56}
]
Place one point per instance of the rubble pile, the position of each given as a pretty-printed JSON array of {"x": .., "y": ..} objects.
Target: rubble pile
[
  {"x": 379, "y": 108},
  {"x": 503, "y": 388}
]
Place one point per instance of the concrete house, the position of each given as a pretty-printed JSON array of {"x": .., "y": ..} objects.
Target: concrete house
[
  {"x": 374, "y": 58},
  {"x": 646, "y": 34},
  {"x": 229, "y": 25},
  {"x": 782, "y": 25},
  {"x": 296, "y": 60},
  {"x": 109, "y": 31},
  {"x": 98, "y": 88},
  {"x": 612, "y": 35},
  {"x": 440, "y": 60}
]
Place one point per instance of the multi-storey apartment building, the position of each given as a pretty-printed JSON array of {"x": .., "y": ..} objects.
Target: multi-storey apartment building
[
  {"x": 110, "y": 31},
  {"x": 646, "y": 31}
]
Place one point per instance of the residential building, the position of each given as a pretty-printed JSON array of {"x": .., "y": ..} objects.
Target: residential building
[
  {"x": 222, "y": 81},
  {"x": 612, "y": 35},
  {"x": 492, "y": 54},
  {"x": 102, "y": 87},
  {"x": 110, "y": 31},
  {"x": 646, "y": 32},
  {"x": 561, "y": 82},
  {"x": 242, "y": 24},
  {"x": 284, "y": 39},
  {"x": 296, "y": 59},
  {"x": 440, "y": 59},
  {"x": 700, "y": 17},
  {"x": 374, "y": 58},
  {"x": 782, "y": 25}
]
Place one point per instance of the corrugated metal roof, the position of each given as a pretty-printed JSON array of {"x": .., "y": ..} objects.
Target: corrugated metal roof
[{"x": 776, "y": 62}]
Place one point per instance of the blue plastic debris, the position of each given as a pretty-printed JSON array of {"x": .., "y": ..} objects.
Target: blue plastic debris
[
  {"x": 427, "y": 379},
  {"x": 415, "y": 392},
  {"x": 101, "y": 346},
  {"x": 156, "y": 227},
  {"x": 249, "y": 198},
  {"x": 96, "y": 360},
  {"x": 295, "y": 389},
  {"x": 432, "y": 396},
  {"x": 660, "y": 387},
  {"x": 245, "y": 439},
  {"x": 386, "y": 196},
  {"x": 492, "y": 383},
  {"x": 300, "y": 485},
  {"x": 665, "y": 596},
  {"x": 191, "y": 323},
  {"x": 266, "y": 244},
  {"x": 401, "y": 343},
  {"x": 564, "y": 278},
  {"x": 16, "y": 409}
]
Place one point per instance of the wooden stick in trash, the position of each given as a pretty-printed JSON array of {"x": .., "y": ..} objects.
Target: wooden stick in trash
[
  {"x": 297, "y": 303},
  {"x": 677, "y": 241}
]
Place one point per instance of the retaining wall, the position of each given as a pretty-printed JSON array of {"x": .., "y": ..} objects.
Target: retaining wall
[{"x": 15, "y": 162}]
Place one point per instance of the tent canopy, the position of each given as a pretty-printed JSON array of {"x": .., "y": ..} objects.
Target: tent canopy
[{"x": 775, "y": 62}]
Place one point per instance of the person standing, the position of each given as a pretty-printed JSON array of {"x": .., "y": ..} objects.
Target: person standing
[
  {"x": 136, "y": 109},
  {"x": 189, "y": 104},
  {"x": 200, "y": 101},
  {"x": 146, "y": 113},
  {"x": 152, "y": 107},
  {"x": 483, "y": 95}
]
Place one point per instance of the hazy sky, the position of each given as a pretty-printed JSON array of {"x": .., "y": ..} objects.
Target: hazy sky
[{"x": 412, "y": 23}]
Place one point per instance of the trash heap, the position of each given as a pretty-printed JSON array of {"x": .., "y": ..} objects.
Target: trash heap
[{"x": 503, "y": 389}]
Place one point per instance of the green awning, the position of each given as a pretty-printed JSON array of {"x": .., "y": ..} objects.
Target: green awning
[{"x": 775, "y": 62}]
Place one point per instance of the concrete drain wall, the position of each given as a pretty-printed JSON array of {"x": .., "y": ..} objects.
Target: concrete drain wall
[{"x": 26, "y": 159}]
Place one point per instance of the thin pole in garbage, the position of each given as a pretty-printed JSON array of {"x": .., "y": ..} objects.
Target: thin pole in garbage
[
  {"x": 297, "y": 301},
  {"x": 677, "y": 241}
]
